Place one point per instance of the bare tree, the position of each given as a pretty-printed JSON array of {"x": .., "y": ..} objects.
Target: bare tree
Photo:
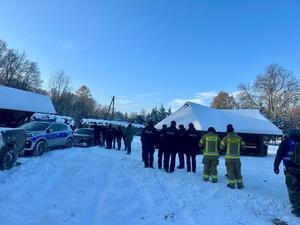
[
  {"x": 275, "y": 92},
  {"x": 59, "y": 91},
  {"x": 17, "y": 71}
]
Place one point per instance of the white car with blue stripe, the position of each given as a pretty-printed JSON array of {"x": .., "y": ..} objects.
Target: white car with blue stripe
[{"x": 43, "y": 135}]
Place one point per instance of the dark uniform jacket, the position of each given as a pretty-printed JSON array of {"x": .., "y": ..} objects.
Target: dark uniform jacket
[
  {"x": 172, "y": 138},
  {"x": 282, "y": 152},
  {"x": 181, "y": 140},
  {"x": 192, "y": 137},
  {"x": 162, "y": 141},
  {"x": 149, "y": 137}
]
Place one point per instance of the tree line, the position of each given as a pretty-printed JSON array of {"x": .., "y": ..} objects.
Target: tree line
[
  {"x": 275, "y": 92},
  {"x": 17, "y": 71}
]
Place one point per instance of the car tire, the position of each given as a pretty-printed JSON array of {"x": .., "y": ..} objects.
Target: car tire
[
  {"x": 69, "y": 143},
  {"x": 39, "y": 148},
  {"x": 7, "y": 159}
]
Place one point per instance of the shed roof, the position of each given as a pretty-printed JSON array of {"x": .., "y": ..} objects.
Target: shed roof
[
  {"x": 15, "y": 99},
  {"x": 249, "y": 121}
]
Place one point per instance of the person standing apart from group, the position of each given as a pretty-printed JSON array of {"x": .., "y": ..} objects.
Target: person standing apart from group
[
  {"x": 149, "y": 140},
  {"x": 232, "y": 144},
  {"x": 289, "y": 153},
  {"x": 210, "y": 143}
]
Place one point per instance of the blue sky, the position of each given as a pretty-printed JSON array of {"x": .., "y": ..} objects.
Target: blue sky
[{"x": 149, "y": 52}]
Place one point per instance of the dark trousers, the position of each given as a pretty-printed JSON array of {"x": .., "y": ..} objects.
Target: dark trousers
[
  {"x": 292, "y": 180},
  {"x": 96, "y": 139},
  {"x": 167, "y": 164},
  {"x": 160, "y": 157},
  {"x": 128, "y": 147},
  {"x": 149, "y": 157},
  {"x": 181, "y": 159},
  {"x": 109, "y": 143},
  {"x": 114, "y": 142},
  {"x": 190, "y": 157},
  {"x": 119, "y": 143}
]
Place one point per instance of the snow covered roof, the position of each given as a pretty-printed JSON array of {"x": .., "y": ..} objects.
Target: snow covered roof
[
  {"x": 113, "y": 122},
  {"x": 249, "y": 121},
  {"x": 57, "y": 118},
  {"x": 15, "y": 99}
]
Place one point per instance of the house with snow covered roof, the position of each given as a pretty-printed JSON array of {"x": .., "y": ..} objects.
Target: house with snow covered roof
[
  {"x": 17, "y": 106},
  {"x": 250, "y": 124}
]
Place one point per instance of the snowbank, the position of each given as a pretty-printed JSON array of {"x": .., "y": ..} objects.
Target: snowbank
[{"x": 96, "y": 186}]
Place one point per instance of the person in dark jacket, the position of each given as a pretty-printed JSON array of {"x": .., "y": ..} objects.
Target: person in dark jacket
[
  {"x": 162, "y": 144},
  {"x": 97, "y": 132},
  {"x": 289, "y": 153},
  {"x": 181, "y": 146},
  {"x": 129, "y": 134},
  {"x": 192, "y": 146},
  {"x": 171, "y": 150},
  {"x": 149, "y": 140},
  {"x": 109, "y": 136},
  {"x": 119, "y": 136}
]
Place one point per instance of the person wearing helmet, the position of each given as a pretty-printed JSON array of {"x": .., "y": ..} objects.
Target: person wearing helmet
[
  {"x": 210, "y": 143},
  {"x": 192, "y": 137},
  {"x": 232, "y": 144},
  {"x": 289, "y": 152}
]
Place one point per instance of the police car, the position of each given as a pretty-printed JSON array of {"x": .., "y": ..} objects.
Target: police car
[{"x": 43, "y": 135}]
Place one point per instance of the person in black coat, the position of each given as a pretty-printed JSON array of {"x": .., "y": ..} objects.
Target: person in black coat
[
  {"x": 119, "y": 136},
  {"x": 181, "y": 146},
  {"x": 171, "y": 150},
  {"x": 192, "y": 146},
  {"x": 162, "y": 144},
  {"x": 109, "y": 136},
  {"x": 289, "y": 153},
  {"x": 97, "y": 131},
  {"x": 149, "y": 140}
]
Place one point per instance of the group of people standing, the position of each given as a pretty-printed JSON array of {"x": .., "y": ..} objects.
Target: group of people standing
[
  {"x": 109, "y": 136},
  {"x": 187, "y": 143}
]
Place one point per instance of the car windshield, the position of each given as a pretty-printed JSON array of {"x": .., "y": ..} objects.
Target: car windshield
[
  {"x": 35, "y": 126},
  {"x": 84, "y": 131}
]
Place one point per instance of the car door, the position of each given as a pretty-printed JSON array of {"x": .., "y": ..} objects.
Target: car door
[
  {"x": 53, "y": 135},
  {"x": 63, "y": 134}
]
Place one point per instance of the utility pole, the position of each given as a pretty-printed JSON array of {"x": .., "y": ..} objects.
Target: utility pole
[{"x": 112, "y": 105}]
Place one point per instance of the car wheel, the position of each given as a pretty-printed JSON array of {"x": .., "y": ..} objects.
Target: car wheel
[
  {"x": 69, "y": 143},
  {"x": 39, "y": 148},
  {"x": 6, "y": 159}
]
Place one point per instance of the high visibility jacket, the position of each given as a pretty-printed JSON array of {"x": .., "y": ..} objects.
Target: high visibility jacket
[
  {"x": 232, "y": 143},
  {"x": 210, "y": 143}
]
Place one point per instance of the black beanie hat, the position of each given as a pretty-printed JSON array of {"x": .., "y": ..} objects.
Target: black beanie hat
[
  {"x": 173, "y": 123},
  {"x": 211, "y": 130},
  {"x": 230, "y": 128}
]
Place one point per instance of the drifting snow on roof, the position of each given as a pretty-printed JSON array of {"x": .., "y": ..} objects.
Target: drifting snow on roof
[
  {"x": 249, "y": 121},
  {"x": 62, "y": 119},
  {"x": 113, "y": 122},
  {"x": 15, "y": 99}
]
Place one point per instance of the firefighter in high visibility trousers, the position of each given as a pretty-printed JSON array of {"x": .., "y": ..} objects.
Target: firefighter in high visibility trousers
[
  {"x": 210, "y": 143},
  {"x": 232, "y": 144}
]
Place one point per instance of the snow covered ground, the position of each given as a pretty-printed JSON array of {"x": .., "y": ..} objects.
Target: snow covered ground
[{"x": 95, "y": 186}]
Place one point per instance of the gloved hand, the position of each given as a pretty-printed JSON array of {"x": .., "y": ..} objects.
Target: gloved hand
[{"x": 276, "y": 170}]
